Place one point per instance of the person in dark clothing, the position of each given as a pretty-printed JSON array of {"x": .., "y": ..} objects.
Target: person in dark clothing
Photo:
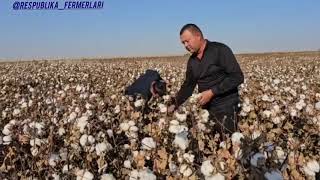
[
  {"x": 214, "y": 68},
  {"x": 147, "y": 85}
]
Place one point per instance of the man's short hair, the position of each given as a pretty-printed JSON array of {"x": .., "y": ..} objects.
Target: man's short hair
[
  {"x": 160, "y": 87},
  {"x": 192, "y": 28}
]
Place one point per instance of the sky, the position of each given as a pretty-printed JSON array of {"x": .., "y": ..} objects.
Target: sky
[{"x": 151, "y": 28}]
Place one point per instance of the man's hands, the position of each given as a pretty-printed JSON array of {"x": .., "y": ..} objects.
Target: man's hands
[{"x": 205, "y": 97}]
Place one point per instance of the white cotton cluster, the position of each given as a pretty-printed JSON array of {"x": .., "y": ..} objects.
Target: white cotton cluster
[
  {"x": 300, "y": 105},
  {"x": 217, "y": 176},
  {"x": 83, "y": 174},
  {"x": 38, "y": 127},
  {"x": 188, "y": 157},
  {"x": 255, "y": 134},
  {"x": 86, "y": 140},
  {"x": 207, "y": 168},
  {"x": 6, "y": 139},
  {"x": 7, "y": 129},
  {"x": 176, "y": 128},
  {"x": 185, "y": 170},
  {"x": 172, "y": 167},
  {"x": 142, "y": 174},
  {"x": 139, "y": 103},
  {"x": 181, "y": 117},
  {"x": 166, "y": 98},
  {"x": 130, "y": 129},
  {"x": 267, "y": 98},
  {"x": 82, "y": 123},
  {"x": 194, "y": 98},
  {"x": 16, "y": 112},
  {"x": 276, "y": 81},
  {"x": 79, "y": 88},
  {"x": 117, "y": 109},
  {"x": 317, "y": 105},
  {"x": 204, "y": 114},
  {"x": 61, "y": 131},
  {"x": 67, "y": 168},
  {"x": 236, "y": 138},
  {"x": 257, "y": 159},
  {"x": 266, "y": 114},
  {"x": 127, "y": 164},
  {"x": 246, "y": 107},
  {"x": 107, "y": 177},
  {"x": 273, "y": 175},
  {"x": 280, "y": 154},
  {"x": 163, "y": 108},
  {"x": 311, "y": 168},
  {"x": 53, "y": 160},
  {"x": 148, "y": 143},
  {"x": 181, "y": 140},
  {"x": 102, "y": 147}
]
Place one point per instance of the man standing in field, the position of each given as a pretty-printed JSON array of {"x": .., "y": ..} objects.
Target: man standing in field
[{"x": 214, "y": 68}]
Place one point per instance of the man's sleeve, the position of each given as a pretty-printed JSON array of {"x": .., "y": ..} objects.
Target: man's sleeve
[
  {"x": 186, "y": 88},
  {"x": 232, "y": 69}
]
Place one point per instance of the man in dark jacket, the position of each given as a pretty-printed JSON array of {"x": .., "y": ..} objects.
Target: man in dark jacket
[
  {"x": 214, "y": 68},
  {"x": 147, "y": 85}
]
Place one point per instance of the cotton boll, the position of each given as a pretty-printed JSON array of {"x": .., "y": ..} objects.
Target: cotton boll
[
  {"x": 84, "y": 140},
  {"x": 280, "y": 154},
  {"x": 317, "y": 106},
  {"x": 223, "y": 144},
  {"x": 134, "y": 129},
  {"x": 124, "y": 126},
  {"x": 172, "y": 167},
  {"x": 53, "y": 160},
  {"x": 84, "y": 175},
  {"x": 276, "y": 120},
  {"x": 7, "y": 139},
  {"x": 267, "y": 114},
  {"x": 131, "y": 123},
  {"x": 217, "y": 176},
  {"x": 7, "y": 129},
  {"x": 107, "y": 177},
  {"x": 34, "y": 151},
  {"x": 175, "y": 129},
  {"x": 256, "y": 134},
  {"x": 311, "y": 168},
  {"x": 181, "y": 117},
  {"x": 204, "y": 116},
  {"x": 181, "y": 140},
  {"x": 236, "y": 138},
  {"x": 82, "y": 123},
  {"x": 16, "y": 112},
  {"x": 188, "y": 157},
  {"x": 91, "y": 139},
  {"x": 273, "y": 175},
  {"x": 61, "y": 131},
  {"x": 148, "y": 143},
  {"x": 117, "y": 109},
  {"x": 67, "y": 168},
  {"x": 185, "y": 170},
  {"x": 207, "y": 168},
  {"x": 100, "y": 148},
  {"x": 35, "y": 142},
  {"x": 110, "y": 133},
  {"x": 127, "y": 164},
  {"x": 163, "y": 108},
  {"x": 138, "y": 103}
]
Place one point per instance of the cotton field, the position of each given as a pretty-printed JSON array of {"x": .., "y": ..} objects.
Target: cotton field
[{"x": 70, "y": 120}]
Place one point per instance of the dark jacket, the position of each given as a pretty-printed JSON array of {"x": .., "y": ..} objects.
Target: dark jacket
[
  {"x": 142, "y": 84},
  {"x": 218, "y": 70}
]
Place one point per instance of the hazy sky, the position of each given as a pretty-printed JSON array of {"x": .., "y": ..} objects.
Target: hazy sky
[{"x": 149, "y": 27}]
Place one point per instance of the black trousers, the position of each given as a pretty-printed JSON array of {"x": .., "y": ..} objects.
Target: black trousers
[{"x": 224, "y": 115}]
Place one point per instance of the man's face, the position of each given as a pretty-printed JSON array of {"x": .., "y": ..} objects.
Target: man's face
[{"x": 191, "y": 41}]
